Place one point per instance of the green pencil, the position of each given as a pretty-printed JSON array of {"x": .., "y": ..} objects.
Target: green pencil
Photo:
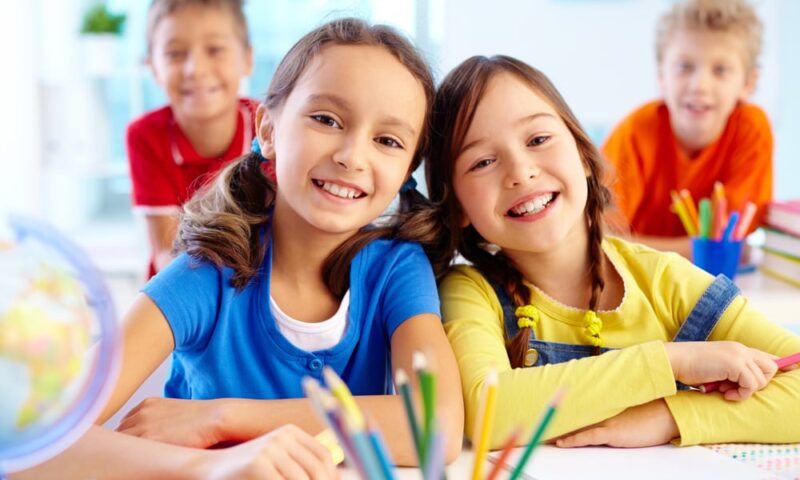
[
  {"x": 401, "y": 379},
  {"x": 427, "y": 386},
  {"x": 537, "y": 434},
  {"x": 705, "y": 218}
]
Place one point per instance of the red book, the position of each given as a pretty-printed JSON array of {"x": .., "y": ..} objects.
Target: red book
[{"x": 785, "y": 216}]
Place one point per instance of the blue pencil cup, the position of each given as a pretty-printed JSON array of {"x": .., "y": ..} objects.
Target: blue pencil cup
[{"x": 717, "y": 256}]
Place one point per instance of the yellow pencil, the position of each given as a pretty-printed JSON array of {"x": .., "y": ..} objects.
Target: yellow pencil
[
  {"x": 688, "y": 201},
  {"x": 483, "y": 422},
  {"x": 680, "y": 209},
  {"x": 339, "y": 390}
]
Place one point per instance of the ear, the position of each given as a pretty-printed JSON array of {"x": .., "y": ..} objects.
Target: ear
[
  {"x": 750, "y": 80},
  {"x": 265, "y": 131}
]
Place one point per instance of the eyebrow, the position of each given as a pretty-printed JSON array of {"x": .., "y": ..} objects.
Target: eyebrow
[
  {"x": 389, "y": 120},
  {"x": 522, "y": 120}
]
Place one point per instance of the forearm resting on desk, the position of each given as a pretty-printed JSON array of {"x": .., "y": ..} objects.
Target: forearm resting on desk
[{"x": 243, "y": 419}]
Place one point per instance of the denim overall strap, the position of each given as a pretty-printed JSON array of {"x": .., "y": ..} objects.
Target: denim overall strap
[
  {"x": 545, "y": 352},
  {"x": 509, "y": 316},
  {"x": 709, "y": 309}
]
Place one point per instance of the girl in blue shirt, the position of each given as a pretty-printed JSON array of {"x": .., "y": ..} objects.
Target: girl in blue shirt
[{"x": 279, "y": 279}]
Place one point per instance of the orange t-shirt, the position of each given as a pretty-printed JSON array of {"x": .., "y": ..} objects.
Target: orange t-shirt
[{"x": 648, "y": 163}]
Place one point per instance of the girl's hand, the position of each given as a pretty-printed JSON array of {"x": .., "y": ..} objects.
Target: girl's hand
[
  {"x": 190, "y": 423},
  {"x": 696, "y": 363},
  {"x": 287, "y": 452},
  {"x": 640, "y": 426}
]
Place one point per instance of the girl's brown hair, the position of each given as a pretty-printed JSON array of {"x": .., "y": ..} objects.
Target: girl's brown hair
[
  {"x": 222, "y": 223},
  {"x": 453, "y": 111}
]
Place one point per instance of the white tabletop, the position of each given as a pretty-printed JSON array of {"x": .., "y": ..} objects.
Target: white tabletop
[{"x": 778, "y": 300}]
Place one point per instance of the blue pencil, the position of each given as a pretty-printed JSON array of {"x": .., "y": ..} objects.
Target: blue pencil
[{"x": 733, "y": 219}]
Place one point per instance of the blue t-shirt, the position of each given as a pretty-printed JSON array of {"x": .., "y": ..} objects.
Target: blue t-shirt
[{"x": 228, "y": 345}]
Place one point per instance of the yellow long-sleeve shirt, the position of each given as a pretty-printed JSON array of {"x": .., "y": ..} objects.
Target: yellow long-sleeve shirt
[{"x": 660, "y": 291}]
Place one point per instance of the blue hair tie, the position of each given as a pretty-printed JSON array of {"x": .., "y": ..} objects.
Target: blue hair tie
[
  {"x": 410, "y": 184},
  {"x": 255, "y": 147}
]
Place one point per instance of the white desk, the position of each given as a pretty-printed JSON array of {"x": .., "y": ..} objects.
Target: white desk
[{"x": 779, "y": 301}]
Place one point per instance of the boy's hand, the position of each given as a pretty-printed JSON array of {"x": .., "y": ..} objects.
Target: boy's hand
[
  {"x": 640, "y": 426},
  {"x": 287, "y": 452},
  {"x": 696, "y": 363},
  {"x": 189, "y": 423}
]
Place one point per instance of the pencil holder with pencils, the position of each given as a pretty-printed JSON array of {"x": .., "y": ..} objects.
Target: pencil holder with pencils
[
  {"x": 716, "y": 234},
  {"x": 717, "y": 256}
]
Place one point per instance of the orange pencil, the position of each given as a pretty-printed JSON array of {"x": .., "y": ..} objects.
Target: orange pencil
[{"x": 505, "y": 452}]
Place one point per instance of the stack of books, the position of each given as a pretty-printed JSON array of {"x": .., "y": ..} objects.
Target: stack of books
[{"x": 782, "y": 241}]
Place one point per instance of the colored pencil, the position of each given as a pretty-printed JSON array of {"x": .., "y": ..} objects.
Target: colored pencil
[
  {"x": 781, "y": 362},
  {"x": 720, "y": 217},
  {"x": 683, "y": 215},
  {"x": 483, "y": 422},
  {"x": 427, "y": 385},
  {"x": 434, "y": 464},
  {"x": 339, "y": 390},
  {"x": 733, "y": 219},
  {"x": 505, "y": 452},
  {"x": 705, "y": 218},
  {"x": 314, "y": 393},
  {"x": 745, "y": 221},
  {"x": 401, "y": 380},
  {"x": 363, "y": 447},
  {"x": 688, "y": 201},
  {"x": 550, "y": 410},
  {"x": 382, "y": 453}
]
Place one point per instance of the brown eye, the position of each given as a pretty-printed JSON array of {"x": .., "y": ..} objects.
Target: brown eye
[
  {"x": 538, "y": 140},
  {"x": 326, "y": 120}
]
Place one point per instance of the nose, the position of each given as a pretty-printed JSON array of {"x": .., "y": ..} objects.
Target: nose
[
  {"x": 352, "y": 155},
  {"x": 195, "y": 64},
  {"x": 700, "y": 79},
  {"x": 520, "y": 170}
]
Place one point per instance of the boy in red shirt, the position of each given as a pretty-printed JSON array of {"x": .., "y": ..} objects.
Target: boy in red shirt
[
  {"x": 198, "y": 51},
  {"x": 702, "y": 131}
]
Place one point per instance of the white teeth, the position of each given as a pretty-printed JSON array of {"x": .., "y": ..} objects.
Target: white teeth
[
  {"x": 533, "y": 206},
  {"x": 339, "y": 190}
]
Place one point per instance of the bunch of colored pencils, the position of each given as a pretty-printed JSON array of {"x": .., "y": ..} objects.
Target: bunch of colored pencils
[
  {"x": 483, "y": 428},
  {"x": 428, "y": 435},
  {"x": 362, "y": 444},
  {"x": 711, "y": 220}
]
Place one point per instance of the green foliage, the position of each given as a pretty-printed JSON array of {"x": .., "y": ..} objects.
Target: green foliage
[{"x": 99, "y": 20}]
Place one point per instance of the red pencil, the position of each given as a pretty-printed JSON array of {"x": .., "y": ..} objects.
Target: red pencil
[{"x": 782, "y": 363}]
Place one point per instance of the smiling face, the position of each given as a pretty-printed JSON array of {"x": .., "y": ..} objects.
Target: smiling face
[
  {"x": 519, "y": 177},
  {"x": 344, "y": 139},
  {"x": 703, "y": 76},
  {"x": 198, "y": 58}
]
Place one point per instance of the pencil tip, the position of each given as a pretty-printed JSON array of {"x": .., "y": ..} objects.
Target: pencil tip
[{"x": 418, "y": 361}]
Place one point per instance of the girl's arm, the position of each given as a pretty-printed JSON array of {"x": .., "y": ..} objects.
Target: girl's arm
[
  {"x": 596, "y": 388},
  {"x": 770, "y": 415},
  {"x": 100, "y": 453},
  {"x": 242, "y": 419},
  {"x": 146, "y": 342}
]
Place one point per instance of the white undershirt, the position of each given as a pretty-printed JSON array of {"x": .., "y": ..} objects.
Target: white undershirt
[{"x": 312, "y": 336}]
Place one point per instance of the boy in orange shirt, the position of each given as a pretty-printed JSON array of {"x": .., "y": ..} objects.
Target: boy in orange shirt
[
  {"x": 198, "y": 51},
  {"x": 702, "y": 131}
]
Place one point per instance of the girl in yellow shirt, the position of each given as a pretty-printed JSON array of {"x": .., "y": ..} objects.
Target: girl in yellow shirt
[{"x": 621, "y": 326}]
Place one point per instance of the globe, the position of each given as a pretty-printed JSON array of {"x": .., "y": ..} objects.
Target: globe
[{"x": 58, "y": 343}]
